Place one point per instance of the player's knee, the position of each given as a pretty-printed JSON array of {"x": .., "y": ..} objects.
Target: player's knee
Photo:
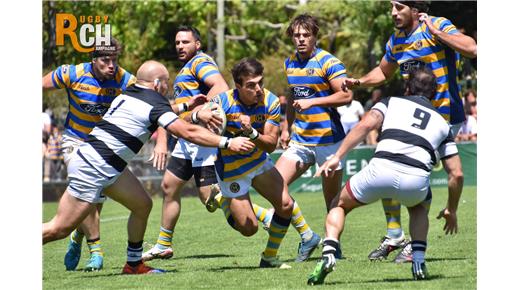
[
  {"x": 286, "y": 207},
  {"x": 248, "y": 227},
  {"x": 167, "y": 188},
  {"x": 144, "y": 208},
  {"x": 458, "y": 175},
  {"x": 249, "y": 231},
  {"x": 58, "y": 232}
]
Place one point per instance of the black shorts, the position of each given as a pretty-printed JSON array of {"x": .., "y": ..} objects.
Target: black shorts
[{"x": 183, "y": 169}]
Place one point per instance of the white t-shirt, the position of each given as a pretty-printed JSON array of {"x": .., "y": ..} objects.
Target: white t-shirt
[
  {"x": 46, "y": 120},
  {"x": 350, "y": 114},
  {"x": 469, "y": 126}
]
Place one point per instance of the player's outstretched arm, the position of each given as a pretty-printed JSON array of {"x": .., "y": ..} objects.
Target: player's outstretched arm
[
  {"x": 371, "y": 121},
  {"x": 47, "y": 82},
  {"x": 204, "y": 137},
  {"x": 375, "y": 77},
  {"x": 462, "y": 43},
  {"x": 453, "y": 167}
]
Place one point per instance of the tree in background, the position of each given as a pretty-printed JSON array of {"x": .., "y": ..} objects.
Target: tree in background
[{"x": 355, "y": 31}]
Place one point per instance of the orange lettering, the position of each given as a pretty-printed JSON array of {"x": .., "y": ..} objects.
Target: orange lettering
[{"x": 61, "y": 31}]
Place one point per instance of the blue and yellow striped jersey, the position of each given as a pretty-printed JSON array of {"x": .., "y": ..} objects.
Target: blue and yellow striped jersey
[
  {"x": 311, "y": 78},
  {"x": 421, "y": 48},
  {"x": 89, "y": 98},
  {"x": 190, "y": 80},
  {"x": 230, "y": 165}
]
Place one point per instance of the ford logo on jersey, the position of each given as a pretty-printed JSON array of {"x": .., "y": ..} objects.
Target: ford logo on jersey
[
  {"x": 303, "y": 93},
  {"x": 94, "y": 109},
  {"x": 407, "y": 66}
]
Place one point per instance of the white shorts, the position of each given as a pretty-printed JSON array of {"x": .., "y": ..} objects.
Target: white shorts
[
  {"x": 199, "y": 155},
  {"x": 85, "y": 182},
  {"x": 312, "y": 154},
  {"x": 69, "y": 145},
  {"x": 241, "y": 186},
  {"x": 383, "y": 178}
]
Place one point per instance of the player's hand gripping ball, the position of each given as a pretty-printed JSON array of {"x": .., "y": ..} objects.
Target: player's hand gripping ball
[{"x": 217, "y": 110}]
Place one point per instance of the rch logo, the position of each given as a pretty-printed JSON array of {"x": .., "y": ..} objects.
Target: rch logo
[{"x": 67, "y": 24}]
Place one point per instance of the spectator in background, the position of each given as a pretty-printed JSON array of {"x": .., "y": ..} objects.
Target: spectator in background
[
  {"x": 46, "y": 123},
  {"x": 468, "y": 131},
  {"x": 470, "y": 97},
  {"x": 53, "y": 155},
  {"x": 351, "y": 113},
  {"x": 375, "y": 97},
  {"x": 45, "y": 138}
]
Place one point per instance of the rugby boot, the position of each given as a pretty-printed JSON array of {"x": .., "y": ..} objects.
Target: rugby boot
[
  {"x": 305, "y": 248},
  {"x": 157, "y": 253},
  {"x": 272, "y": 262},
  {"x": 95, "y": 263},
  {"x": 142, "y": 268},
  {"x": 387, "y": 246},
  {"x": 323, "y": 268}
]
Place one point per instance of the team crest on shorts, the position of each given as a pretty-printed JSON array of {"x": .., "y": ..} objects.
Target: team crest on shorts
[{"x": 234, "y": 187}]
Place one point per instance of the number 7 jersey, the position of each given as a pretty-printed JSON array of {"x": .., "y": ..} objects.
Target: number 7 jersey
[{"x": 412, "y": 131}]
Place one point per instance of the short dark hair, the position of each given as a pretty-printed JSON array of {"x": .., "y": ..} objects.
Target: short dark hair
[
  {"x": 246, "y": 67},
  {"x": 306, "y": 21},
  {"x": 421, "y": 6},
  {"x": 114, "y": 48},
  {"x": 422, "y": 82},
  {"x": 194, "y": 31}
]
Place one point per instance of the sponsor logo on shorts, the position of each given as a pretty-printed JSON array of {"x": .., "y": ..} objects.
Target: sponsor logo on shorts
[{"x": 234, "y": 187}]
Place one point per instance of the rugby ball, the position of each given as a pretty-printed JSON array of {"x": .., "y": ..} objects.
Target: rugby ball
[{"x": 217, "y": 110}]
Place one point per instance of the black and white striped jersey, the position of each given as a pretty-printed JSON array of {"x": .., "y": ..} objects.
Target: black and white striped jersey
[
  {"x": 412, "y": 131},
  {"x": 129, "y": 122}
]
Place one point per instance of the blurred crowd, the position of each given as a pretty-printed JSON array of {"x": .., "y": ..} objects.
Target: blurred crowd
[{"x": 52, "y": 158}]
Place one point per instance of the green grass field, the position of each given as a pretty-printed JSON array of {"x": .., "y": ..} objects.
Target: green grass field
[{"x": 209, "y": 254}]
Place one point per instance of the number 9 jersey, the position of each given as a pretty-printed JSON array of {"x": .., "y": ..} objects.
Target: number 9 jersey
[{"x": 412, "y": 131}]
